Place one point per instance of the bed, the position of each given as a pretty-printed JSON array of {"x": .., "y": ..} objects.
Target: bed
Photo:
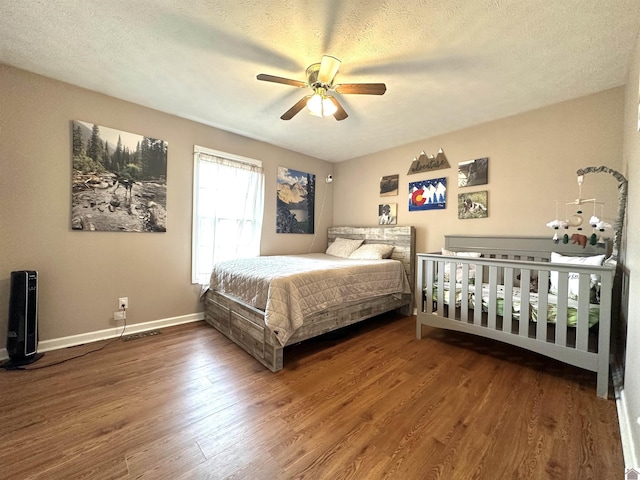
[
  {"x": 270, "y": 313},
  {"x": 511, "y": 289}
]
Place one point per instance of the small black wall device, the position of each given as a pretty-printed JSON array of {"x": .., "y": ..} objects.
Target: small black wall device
[{"x": 22, "y": 335}]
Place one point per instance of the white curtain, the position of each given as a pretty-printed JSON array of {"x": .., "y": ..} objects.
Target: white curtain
[{"x": 228, "y": 209}]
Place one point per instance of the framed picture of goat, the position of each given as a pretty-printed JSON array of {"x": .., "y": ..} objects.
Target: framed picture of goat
[
  {"x": 119, "y": 180},
  {"x": 473, "y": 205}
]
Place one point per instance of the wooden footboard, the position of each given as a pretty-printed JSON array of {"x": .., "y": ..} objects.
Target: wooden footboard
[
  {"x": 245, "y": 325},
  {"x": 464, "y": 310}
]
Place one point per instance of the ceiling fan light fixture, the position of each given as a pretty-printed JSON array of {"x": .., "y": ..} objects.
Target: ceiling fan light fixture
[
  {"x": 321, "y": 106},
  {"x": 320, "y": 78},
  {"x": 329, "y": 67}
]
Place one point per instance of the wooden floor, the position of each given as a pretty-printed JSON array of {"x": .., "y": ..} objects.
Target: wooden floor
[{"x": 374, "y": 403}]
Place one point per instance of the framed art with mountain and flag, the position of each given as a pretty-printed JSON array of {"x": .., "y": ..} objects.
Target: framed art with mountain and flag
[
  {"x": 428, "y": 194},
  {"x": 296, "y": 201}
]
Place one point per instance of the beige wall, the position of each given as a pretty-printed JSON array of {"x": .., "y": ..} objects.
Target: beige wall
[
  {"x": 533, "y": 158},
  {"x": 631, "y": 393},
  {"x": 82, "y": 274}
]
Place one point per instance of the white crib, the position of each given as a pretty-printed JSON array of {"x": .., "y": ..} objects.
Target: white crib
[{"x": 507, "y": 305}]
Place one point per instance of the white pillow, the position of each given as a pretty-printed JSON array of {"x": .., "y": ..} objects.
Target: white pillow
[
  {"x": 372, "y": 251},
  {"x": 451, "y": 253},
  {"x": 472, "y": 268},
  {"x": 574, "y": 278},
  {"x": 343, "y": 247}
]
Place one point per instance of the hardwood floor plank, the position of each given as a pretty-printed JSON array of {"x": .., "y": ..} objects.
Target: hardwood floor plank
[
  {"x": 113, "y": 468},
  {"x": 371, "y": 402},
  {"x": 167, "y": 456}
]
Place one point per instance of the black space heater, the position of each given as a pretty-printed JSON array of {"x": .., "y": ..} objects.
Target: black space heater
[{"x": 22, "y": 334}]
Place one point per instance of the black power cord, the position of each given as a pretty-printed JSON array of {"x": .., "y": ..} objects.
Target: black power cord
[{"x": 77, "y": 356}]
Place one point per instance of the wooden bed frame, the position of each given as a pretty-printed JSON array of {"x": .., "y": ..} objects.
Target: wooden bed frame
[
  {"x": 503, "y": 258},
  {"x": 245, "y": 325}
]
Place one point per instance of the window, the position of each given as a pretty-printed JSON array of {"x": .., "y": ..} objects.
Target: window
[{"x": 228, "y": 201}]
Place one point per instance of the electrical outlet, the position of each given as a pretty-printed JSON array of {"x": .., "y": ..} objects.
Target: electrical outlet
[
  {"x": 123, "y": 302},
  {"x": 119, "y": 315}
]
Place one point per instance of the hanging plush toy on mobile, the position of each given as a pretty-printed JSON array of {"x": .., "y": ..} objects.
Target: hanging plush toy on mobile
[{"x": 576, "y": 220}]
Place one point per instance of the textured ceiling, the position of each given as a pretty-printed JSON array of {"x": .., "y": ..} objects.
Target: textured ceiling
[{"x": 447, "y": 64}]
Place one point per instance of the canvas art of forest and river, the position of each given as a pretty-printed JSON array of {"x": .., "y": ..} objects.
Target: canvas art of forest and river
[{"x": 119, "y": 180}]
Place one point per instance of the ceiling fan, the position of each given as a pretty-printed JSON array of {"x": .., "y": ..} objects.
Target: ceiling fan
[{"x": 320, "y": 77}]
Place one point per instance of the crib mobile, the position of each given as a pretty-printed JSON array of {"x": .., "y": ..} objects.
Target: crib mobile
[{"x": 597, "y": 224}]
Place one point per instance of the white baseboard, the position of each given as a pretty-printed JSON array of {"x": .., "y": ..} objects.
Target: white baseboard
[
  {"x": 73, "y": 340},
  {"x": 626, "y": 427},
  {"x": 629, "y": 448}
]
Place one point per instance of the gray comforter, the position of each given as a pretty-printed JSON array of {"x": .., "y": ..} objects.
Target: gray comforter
[{"x": 290, "y": 287}]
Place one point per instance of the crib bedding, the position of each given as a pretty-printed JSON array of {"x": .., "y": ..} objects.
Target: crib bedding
[
  {"x": 290, "y": 287},
  {"x": 552, "y": 303}
]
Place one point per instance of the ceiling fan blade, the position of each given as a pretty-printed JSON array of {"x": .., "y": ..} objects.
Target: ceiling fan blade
[
  {"x": 329, "y": 67},
  {"x": 286, "y": 81},
  {"x": 362, "y": 88},
  {"x": 289, "y": 114},
  {"x": 339, "y": 114}
]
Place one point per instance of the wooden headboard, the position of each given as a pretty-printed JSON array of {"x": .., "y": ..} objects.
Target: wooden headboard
[
  {"x": 521, "y": 248},
  {"x": 402, "y": 238}
]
